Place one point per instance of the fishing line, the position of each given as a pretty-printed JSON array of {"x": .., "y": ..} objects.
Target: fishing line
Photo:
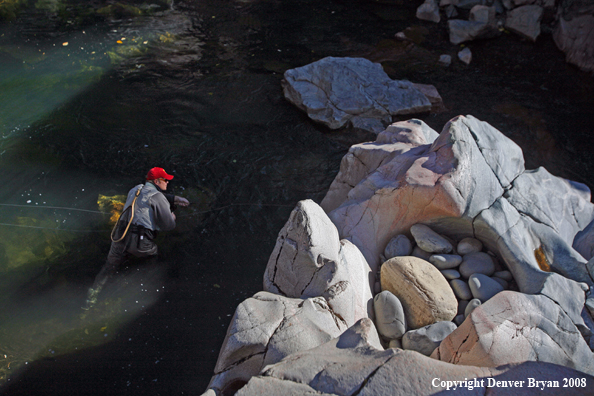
[
  {"x": 55, "y": 207},
  {"x": 96, "y": 211}
]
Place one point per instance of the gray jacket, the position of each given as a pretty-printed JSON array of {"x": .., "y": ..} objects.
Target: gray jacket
[{"x": 152, "y": 210}]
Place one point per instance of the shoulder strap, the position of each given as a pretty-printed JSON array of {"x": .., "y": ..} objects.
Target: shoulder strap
[{"x": 129, "y": 222}]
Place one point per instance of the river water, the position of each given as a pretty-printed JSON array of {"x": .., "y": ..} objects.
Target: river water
[{"x": 91, "y": 100}]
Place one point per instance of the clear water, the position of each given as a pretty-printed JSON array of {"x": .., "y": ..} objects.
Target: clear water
[{"x": 89, "y": 103}]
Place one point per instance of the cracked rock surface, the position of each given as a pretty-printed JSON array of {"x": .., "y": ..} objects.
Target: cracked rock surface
[
  {"x": 513, "y": 328},
  {"x": 468, "y": 182},
  {"x": 338, "y": 91},
  {"x": 309, "y": 260},
  {"x": 352, "y": 364},
  {"x": 269, "y": 327}
]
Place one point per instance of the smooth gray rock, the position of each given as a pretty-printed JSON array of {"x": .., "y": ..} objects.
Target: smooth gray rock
[
  {"x": 502, "y": 282},
  {"x": 450, "y": 274},
  {"x": 525, "y": 21},
  {"x": 400, "y": 245},
  {"x": 334, "y": 91},
  {"x": 422, "y": 254},
  {"x": 469, "y": 245},
  {"x": 516, "y": 327},
  {"x": 483, "y": 287},
  {"x": 389, "y": 315},
  {"x": 462, "y": 304},
  {"x": 310, "y": 260},
  {"x": 461, "y": 289},
  {"x": 459, "y": 319},
  {"x": 445, "y": 261},
  {"x": 472, "y": 304},
  {"x": 505, "y": 275},
  {"x": 395, "y": 344},
  {"x": 476, "y": 263},
  {"x": 429, "y": 11},
  {"x": 426, "y": 339},
  {"x": 429, "y": 240}
]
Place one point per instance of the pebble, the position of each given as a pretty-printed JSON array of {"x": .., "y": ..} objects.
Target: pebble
[
  {"x": 483, "y": 287},
  {"x": 505, "y": 275},
  {"x": 425, "y": 339},
  {"x": 389, "y": 315},
  {"x": 465, "y": 55},
  {"x": 462, "y": 304},
  {"x": 420, "y": 253},
  {"x": 461, "y": 289},
  {"x": 477, "y": 263},
  {"x": 395, "y": 344},
  {"x": 450, "y": 274},
  {"x": 400, "y": 245},
  {"x": 469, "y": 245},
  {"x": 459, "y": 319},
  {"x": 445, "y": 261},
  {"x": 429, "y": 240},
  {"x": 502, "y": 282},
  {"x": 475, "y": 302}
]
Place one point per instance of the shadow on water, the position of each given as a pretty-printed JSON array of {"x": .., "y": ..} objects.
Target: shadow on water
[{"x": 195, "y": 88}]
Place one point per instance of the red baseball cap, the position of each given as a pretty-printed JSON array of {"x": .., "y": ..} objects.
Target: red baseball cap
[{"x": 158, "y": 173}]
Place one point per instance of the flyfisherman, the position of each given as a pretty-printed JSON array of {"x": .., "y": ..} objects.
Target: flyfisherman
[{"x": 148, "y": 209}]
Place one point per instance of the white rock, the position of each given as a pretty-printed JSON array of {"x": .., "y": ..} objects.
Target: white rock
[
  {"x": 515, "y": 328},
  {"x": 429, "y": 240},
  {"x": 465, "y": 55},
  {"x": 309, "y": 260},
  {"x": 334, "y": 91},
  {"x": 525, "y": 21}
]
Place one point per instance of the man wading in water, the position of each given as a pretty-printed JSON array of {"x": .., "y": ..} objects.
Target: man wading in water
[{"x": 148, "y": 210}]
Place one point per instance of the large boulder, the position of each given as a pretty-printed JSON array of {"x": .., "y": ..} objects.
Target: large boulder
[
  {"x": 425, "y": 294},
  {"x": 525, "y": 21},
  {"x": 268, "y": 327},
  {"x": 574, "y": 34},
  {"x": 353, "y": 364},
  {"x": 310, "y": 260},
  {"x": 339, "y": 91},
  {"x": 513, "y": 328},
  {"x": 471, "y": 182}
]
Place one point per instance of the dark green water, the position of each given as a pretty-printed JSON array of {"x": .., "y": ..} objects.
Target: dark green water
[{"x": 195, "y": 88}]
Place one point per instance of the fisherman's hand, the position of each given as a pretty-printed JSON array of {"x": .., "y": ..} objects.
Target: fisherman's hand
[
  {"x": 181, "y": 201},
  {"x": 173, "y": 214}
]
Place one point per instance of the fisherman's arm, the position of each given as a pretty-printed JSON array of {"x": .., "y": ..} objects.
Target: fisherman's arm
[{"x": 164, "y": 218}]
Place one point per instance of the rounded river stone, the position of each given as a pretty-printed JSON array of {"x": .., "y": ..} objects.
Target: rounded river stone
[
  {"x": 477, "y": 263},
  {"x": 389, "y": 315},
  {"x": 425, "y": 294},
  {"x": 483, "y": 287},
  {"x": 429, "y": 240}
]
